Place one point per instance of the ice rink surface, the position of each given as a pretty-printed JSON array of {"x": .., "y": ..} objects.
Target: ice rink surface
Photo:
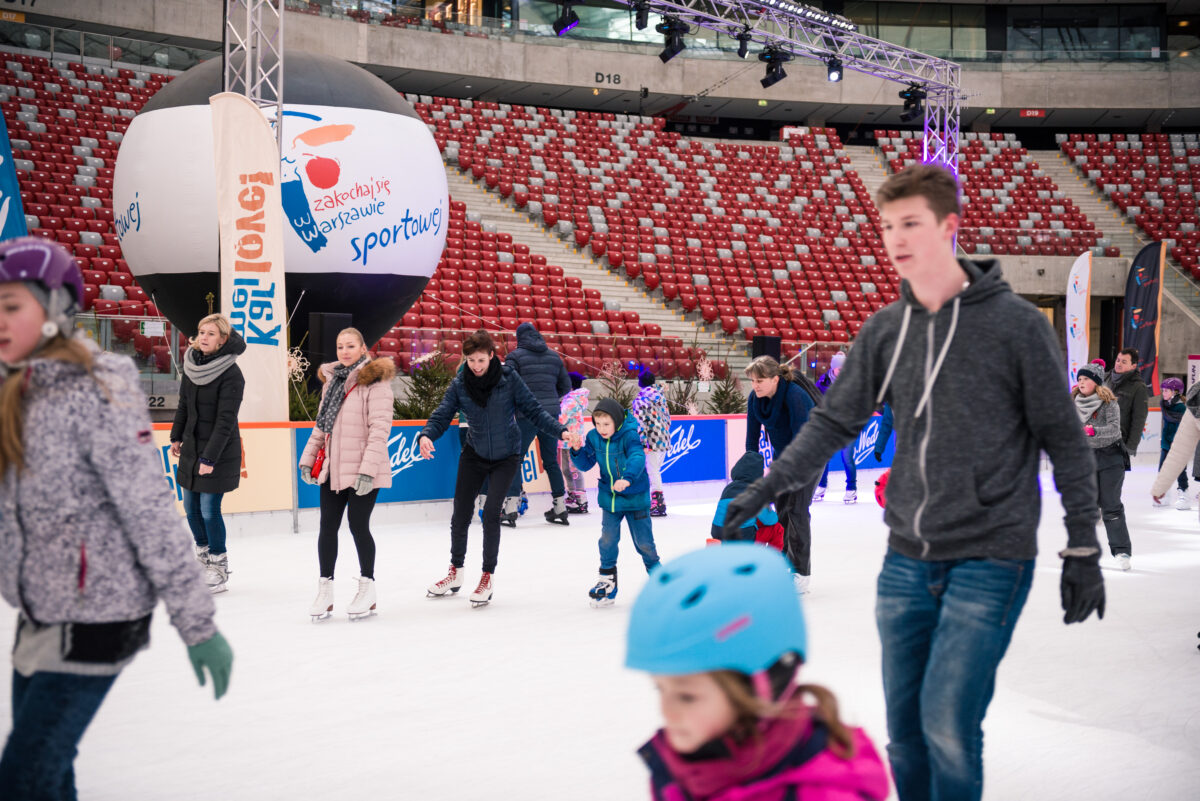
[{"x": 527, "y": 698}]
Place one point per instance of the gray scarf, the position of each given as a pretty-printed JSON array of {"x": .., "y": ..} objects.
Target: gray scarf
[
  {"x": 331, "y": 403},
  {"x": 203, "y": 371},
  {"x": 1086, "y": 405}
]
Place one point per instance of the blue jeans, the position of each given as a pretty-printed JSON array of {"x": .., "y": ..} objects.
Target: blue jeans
[
  {"x": 944, "y": 627},
  {"x": 204, "y": 518},
  {"x": 851, "y": 471},
  {"x": 50, "y": 713},
  {"x": 548, "y": 448},
  {"x": 639, "y": 528}
]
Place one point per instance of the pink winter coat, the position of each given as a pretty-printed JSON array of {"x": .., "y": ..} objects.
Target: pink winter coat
[
  {"x": 791, "y": 760},
  {"x": 358, "y": 444}
]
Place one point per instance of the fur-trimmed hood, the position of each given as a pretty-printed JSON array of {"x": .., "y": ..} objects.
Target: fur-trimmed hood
[{"x": 374, "y": 371}]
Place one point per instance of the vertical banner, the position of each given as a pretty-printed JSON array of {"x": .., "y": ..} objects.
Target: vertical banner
[
  {"x": 1079, "y": 304},
  {"x": 1193, "y": 369},
  {"x": 1143, "y": 309},
  {"x": 12, "y": 213},
  {"x": 250, "y": 213}
]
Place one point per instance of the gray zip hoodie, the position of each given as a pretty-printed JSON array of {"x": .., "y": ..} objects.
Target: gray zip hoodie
[{"x": 977, "y": 389}]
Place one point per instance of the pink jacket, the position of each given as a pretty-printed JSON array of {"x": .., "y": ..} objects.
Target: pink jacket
[
  {"x": 791, "y": 761},
  {"x": 358, "y": 444}
]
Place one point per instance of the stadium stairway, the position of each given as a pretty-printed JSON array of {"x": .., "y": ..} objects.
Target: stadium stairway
[
  {"x": 506, "y": 219},
  {"x": 1117, "y": 226}
]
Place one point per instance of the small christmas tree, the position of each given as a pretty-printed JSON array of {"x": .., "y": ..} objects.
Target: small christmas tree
[
  {"x": 431, "y": 377},
  {"x": 681, "y": 396},
  {"x": 726, "y": 396},
  {"x": 613, "y": 384}
]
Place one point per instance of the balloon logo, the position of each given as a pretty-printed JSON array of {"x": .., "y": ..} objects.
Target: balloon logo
[{"x": 323, "y": 172}]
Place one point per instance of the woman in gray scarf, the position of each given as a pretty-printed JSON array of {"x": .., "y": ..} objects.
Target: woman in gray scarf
[
  {"x": 206, "y": 440},
  {"x": 1100, "y": 416}
]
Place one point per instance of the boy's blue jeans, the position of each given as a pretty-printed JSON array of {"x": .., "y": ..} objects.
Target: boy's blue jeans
[
  {"x": 50, "y": 713},
  {"x": 204, "y": 519},
  {"x": 944, "y": 627},
  {"x": 639, "y": 528}
]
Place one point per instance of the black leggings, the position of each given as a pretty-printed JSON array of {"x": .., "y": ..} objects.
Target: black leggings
[
  {"x": 333, "y": 505},
  {"x": 473, "y": 470}
]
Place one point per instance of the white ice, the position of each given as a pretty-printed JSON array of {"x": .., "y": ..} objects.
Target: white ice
[{"x": 527, "y": 698}]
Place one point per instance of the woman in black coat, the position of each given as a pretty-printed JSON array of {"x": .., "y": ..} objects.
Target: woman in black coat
[{"x": 206, "y": 440}]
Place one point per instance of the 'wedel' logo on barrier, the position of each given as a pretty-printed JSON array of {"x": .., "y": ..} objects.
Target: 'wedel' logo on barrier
[
  {"x": 682, "y": 444},
  {"x": 403, "y": 455},
  {"x": 866, "y": 441}
]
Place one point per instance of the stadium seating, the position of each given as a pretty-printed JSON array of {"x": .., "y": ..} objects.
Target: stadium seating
[
  {"x": 1010, "y": 207},
  {"x": 1152, "y": 178}
]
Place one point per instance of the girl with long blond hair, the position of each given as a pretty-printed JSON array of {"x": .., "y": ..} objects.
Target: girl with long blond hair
[{"x": 90, "y": 541}]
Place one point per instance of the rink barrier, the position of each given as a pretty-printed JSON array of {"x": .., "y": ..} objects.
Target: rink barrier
[{"x": 703, "y": 448}]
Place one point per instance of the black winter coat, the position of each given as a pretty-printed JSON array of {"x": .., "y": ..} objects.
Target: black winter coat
[
  {"x": 206, "y": 425},
  {"x": 540, "y": 368},
  {"x": 1134, "y": 400}
]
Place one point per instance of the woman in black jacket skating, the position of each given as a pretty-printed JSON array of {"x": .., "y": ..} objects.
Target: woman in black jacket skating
[
  {"x": 206, "y": 440},
  {"x": 492, "y": 395}
]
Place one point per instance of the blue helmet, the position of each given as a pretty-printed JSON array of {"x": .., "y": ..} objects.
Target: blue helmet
[{"x": 727, "y": 607}]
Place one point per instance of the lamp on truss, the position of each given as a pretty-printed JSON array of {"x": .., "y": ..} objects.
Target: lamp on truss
[
  {"x": 641, "y": 10},
  {"x": 774, "y": 59},
  {"x": 834, "y": 66},
  {"x": 567, "y": 20},
  {"x": 743, "y": 43},
  {"x": 672, "y": 30},
  {"x": 912, "y": 97}
]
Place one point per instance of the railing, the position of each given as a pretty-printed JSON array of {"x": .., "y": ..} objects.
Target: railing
[{"x": 101, "y": 49}]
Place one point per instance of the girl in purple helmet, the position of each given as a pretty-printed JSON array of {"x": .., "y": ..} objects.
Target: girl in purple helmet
[
  {"x": 1173, "y": 410},
  {"x": 722, "y": 633},
  {"x": 89, "y": 538}
]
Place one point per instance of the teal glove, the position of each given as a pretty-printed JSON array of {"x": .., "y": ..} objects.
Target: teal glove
[
  {"x": 362, "y": 484},
  {"x": 216, "y": 655},
  {"x": 306, "y": 474}
]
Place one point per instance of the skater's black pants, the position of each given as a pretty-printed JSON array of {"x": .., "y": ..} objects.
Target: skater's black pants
[
  {"x": 333, "y": 506},
  {"x": 1110, "y": 478},
  {"x": 792, "y": 508},
  {"x": 473, "y": 470}
]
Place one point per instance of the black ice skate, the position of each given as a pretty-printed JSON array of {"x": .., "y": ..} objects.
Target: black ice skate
[
  {"x": 577, "y": 503},
  {"x": 658, "y": 505},
  {"x": 558, "y": 514},
  {"x": 510, "y": 512}
]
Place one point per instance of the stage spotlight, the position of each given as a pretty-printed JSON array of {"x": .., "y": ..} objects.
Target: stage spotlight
[
  {"x": 774, "y": 58},
  {"x": 912, "y": 97},
  {"x": 835, "y": 69},
  {"x": 672, "y": 30},
  {"x": 641, "y": 14},
  {"x": 567, "y": 20},
  {"x": 743, "y": 43}
]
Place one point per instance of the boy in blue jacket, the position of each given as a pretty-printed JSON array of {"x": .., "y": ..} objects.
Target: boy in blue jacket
[{"x": 615, "y": 444}]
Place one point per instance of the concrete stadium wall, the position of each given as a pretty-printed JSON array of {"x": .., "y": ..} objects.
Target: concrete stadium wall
[{"x": 1098, "y": 87}]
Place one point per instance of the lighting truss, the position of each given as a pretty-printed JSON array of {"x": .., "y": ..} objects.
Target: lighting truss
[
  {"x": 254, "y": 28},
  {"x": 806, "y": 32}
]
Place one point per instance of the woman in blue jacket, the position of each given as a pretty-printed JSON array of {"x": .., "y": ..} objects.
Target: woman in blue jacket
[
  {"x": 491, "y": 395},
  {"x": 781, "y": 406}
]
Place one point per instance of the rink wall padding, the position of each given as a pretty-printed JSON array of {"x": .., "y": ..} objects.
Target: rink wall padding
[{"x": 703, "y": 447}]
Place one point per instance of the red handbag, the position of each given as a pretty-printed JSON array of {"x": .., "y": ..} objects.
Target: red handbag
[{"x": 319, "y": 459}]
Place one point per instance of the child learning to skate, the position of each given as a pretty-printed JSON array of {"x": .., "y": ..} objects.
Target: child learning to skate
[
  {"x": 722, "y": 633},
  {"x": 573, "y": 409},
  {"x": 763, "y": 528},
  {"x": 624, "y": 491},
  {"x": 654, "y": 422}
]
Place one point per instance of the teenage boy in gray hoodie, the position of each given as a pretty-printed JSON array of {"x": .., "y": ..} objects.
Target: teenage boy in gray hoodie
[{"x": 963, "y": 499}]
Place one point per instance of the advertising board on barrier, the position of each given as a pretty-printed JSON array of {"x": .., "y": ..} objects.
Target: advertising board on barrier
[
  {"x": 413, "y": 478},
  {"x": 266, "y": 481},
  {"x": 863, "y": 449}
]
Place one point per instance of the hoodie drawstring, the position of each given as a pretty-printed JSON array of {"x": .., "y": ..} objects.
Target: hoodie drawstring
[
  {"x": 937, "y": 367},
  {"x": 887, "y": 378}
]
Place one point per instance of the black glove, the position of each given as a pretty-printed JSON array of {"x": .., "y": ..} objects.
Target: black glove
[
  {"x": 878, "y": 456},
  {"x": 1082, "y": 588},
  {"x": 744, "y": 507}
]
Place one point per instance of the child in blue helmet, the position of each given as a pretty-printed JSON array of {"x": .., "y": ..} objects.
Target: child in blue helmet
[
  {"x": 722, "y": 632},
  {"x": 624, "y": 491}
]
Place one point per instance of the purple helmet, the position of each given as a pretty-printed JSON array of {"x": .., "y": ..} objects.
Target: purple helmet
[
  {"x": 35, "y": 258},
  {"x": 1173, "y": 384}
]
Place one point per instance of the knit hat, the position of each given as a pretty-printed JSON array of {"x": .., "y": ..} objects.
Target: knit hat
[
  {"x": 1101, "y": 362},
  {"x": 576, "y": 379},
  {"x": 837, "y": 361},
  {"x": 646, "y": 379},
  {"x": 613, "y": 409},
  {"x": 1092, "y": 371}
]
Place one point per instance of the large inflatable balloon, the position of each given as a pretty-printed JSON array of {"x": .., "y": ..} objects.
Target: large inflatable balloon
[{"x": 364, "y": 193}]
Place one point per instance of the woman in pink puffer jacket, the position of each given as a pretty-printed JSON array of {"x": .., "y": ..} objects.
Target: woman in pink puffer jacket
[{"x": 354, "y": 422}]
